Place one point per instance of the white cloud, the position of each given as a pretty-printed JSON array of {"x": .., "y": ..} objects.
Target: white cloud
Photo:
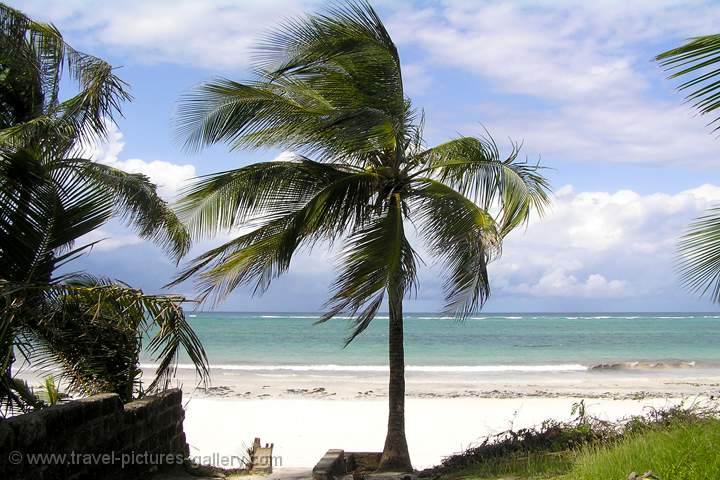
[
  {"x": 555, "y": 50},
  {"x": 600, "y": 244},
  {"x": 208, "y": 33},
  {"x": 582, "y": 71},
  {"x": 109, "y": 240},
  {"x": 561, "y": 283},
  {"x": 169, "y": 177}
]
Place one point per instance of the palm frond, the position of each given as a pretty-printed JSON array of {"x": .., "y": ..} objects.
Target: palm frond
[
  {"x": 44, "y": 210},
  {"x": 328, "y": 85},
  {"x": 40, "y": 52},
  {"x": 377, "y": 258},
  {"x": 345, "y": 54},
  {"x": 92, "y": 331},
  {"x": 698, "y": 59},
  {"x": 235, "y": 198},
  {"x": 282, "y": 114},
  {"x": 699, "y": 248},
  {"x": 137, "y": 202},
  {"x": 476, "y": 169},
  {"x": 464, "y": 236},
  {"x": 265, "y": 253}
]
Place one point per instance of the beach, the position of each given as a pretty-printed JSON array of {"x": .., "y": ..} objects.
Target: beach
[
  {"x": 303, "y": 429},
  {"x": 306, "y": 413}
]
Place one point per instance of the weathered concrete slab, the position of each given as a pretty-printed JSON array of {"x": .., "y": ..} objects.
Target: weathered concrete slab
[{"x": 331, "y": 465}]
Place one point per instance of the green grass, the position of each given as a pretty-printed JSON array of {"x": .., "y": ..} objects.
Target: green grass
[
  {"x": 529, "y": 466},
  {"x": 679, "y": 452},
  {"x": 675, "y": 444}
]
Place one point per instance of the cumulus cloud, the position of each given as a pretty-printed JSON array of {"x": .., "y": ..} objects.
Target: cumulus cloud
[
  {"x": 169, "y": 177},
  {"x": 600, "y": 244}
]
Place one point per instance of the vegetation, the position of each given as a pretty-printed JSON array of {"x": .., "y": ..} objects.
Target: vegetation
[
  {"x": 329, "y": 88},
  {"x": 679, "y": 452},
  {"x": 675, "y": 443},
  {"x": 50, "y": 197},
  {"x": 700, "y": 246}
]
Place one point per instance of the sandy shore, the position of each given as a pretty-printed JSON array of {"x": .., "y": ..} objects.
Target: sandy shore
[
  {"x": 303, "y": 429},
  {"x": 304, "y": 414},
  {"x": 617, "y": 385}
]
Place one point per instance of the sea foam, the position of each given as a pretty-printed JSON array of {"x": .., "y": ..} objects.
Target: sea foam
[{"x": 384, "y": 368}]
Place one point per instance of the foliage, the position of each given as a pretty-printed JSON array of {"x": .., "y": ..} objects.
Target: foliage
[
  {"x": 548, "y": 442},
  {"x": 555, "y": 448},
  {"x": 93, "y": 331},
  {"x": 35, "y": 61},
  {"x": 697, "y": 59},
  {"x": 679, "y": 451},
  {"x": 50, "y": 198},
  {"x": 699, "y": 248}
]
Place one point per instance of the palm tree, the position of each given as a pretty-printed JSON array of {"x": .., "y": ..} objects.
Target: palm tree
[
  {"x": 700, "y": 246},
  {"x": 49, "y": 198},
  {"x": 330, "y": 87}
]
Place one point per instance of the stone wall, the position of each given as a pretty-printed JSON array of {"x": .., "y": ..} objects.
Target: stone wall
[{"x": 94, "y": 438}]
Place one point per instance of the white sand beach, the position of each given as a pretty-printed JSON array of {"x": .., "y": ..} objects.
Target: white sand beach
[
  {"x": 303, "y": 429},
  {"x": 304, "y": 414}
]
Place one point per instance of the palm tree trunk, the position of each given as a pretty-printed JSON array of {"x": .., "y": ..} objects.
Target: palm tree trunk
[{"x": 395, "y": 455}]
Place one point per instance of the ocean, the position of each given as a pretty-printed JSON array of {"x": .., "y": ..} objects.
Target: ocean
[{"x": 482, "y": 343}]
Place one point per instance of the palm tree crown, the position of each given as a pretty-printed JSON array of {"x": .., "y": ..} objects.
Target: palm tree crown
[{"x": 329, "y": 88}]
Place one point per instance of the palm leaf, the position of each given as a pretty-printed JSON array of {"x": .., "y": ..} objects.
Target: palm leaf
[
  {"x": 329, "y": 85},
  {"x": 464, "y": 236},
  {"x": 700, "y": 255},
  {"x": 137, "y": 202},
  {"x": 377, "y": 258},
  {"x": 235, "y": 198},
  {"x": 265, "y": 253},
  {"x": 39, "y": 50},
  {"x": 698, "y": 59},
  {"x": 91, "y": 331},
  {"x": 476, "y": 169}
]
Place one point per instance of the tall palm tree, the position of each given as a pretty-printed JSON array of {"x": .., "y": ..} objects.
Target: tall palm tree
[
  {"x": 49, "y": 198},
  {"x": 329, "y": 86},
  {"x": 700, "y": 246}
]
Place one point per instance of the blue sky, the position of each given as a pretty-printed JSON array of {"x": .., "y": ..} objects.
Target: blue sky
[{"x": 631, "y": 164}]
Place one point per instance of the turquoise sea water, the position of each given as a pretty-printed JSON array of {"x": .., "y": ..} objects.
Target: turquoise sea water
[{"x": 485, "y": 342}]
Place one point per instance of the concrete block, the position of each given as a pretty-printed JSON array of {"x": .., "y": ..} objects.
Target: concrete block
[{"x": 331, "y": 465}]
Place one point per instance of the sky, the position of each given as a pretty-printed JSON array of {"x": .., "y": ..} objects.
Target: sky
[{"x": 631, "y": 165}]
